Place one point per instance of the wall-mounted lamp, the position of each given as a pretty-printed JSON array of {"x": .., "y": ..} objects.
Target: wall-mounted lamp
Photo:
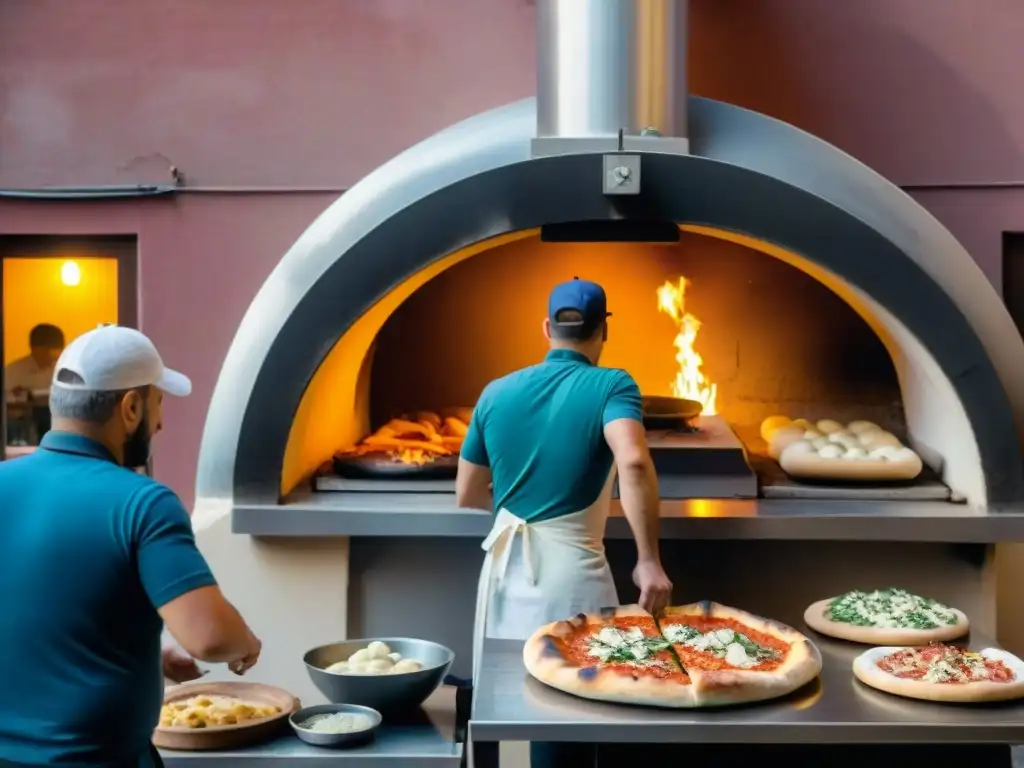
[{"x": 70, "y": 274}]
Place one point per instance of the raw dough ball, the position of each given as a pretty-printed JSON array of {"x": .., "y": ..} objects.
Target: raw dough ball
[
  {"x": 365, "y": 670},
  {"x": 862, "y": 426},
  {"x": 885, "y": 453},
  {"x": 771, "y": 424},
  {"x": 797, "y": 448},
  {"x": 828, "y": 426},
  {"x": 338, "y": 668},
  {"x": 377, "y": 650},
  {"x": 395, "y": 657},
  {"x": 855, "y": 453},
  {"x": 380, "y": 665},
  {"x": 802, "y": 424},
  {"x": 407, "y": 665},
  {"x": 879, "y": 439},
  {"x": 831, "y": 451},
  {"x": 820, "y": 442},
  {"x": 844, "y": 439},
  {"x": 360, "y": 657},
  {"x": 782, "y": 438},
  {"x": 812, "y": 434}
]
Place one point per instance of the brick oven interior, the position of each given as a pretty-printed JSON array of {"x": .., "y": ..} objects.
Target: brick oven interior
[{"x": 773, "y": 339}]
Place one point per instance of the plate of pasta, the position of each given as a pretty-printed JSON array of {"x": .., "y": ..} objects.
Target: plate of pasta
[{"x": 212, "y": 715}]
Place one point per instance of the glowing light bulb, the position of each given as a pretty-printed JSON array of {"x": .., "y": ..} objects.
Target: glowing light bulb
[{"x": 70, "y": 274}]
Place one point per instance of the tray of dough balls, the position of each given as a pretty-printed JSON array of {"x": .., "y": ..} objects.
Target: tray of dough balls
[{"x": 828, "y": 450}]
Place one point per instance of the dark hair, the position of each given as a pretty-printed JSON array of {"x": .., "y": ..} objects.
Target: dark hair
[
  {"x": 46, "y": 336},
  {"x": 568, "y": 325},
  {"x": 91, "y": 406}
]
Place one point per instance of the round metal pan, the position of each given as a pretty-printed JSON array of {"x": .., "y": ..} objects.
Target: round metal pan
[
  {"x": 669, "y": 412},
  {"x": 381, "y": 466}
]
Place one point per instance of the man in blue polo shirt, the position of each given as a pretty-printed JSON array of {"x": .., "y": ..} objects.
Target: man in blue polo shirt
[
  {"x": 94, "y": 559},
  {"x": 549, "y": 438}
]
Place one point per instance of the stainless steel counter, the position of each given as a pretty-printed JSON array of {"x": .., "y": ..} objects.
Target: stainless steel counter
[
  {"x": 426, "y": 738},
  {"x": 509, "y": 705},
  {"x": 434, "y": 514}
]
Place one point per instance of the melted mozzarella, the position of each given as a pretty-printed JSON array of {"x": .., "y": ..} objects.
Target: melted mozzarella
[
  {"x": 723, "y": 643},
  {"x": 736, "y": 655},
  {"x": 611, "y": 640}
]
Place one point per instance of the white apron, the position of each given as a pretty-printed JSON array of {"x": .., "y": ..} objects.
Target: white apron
[{"x": 536, "y": 573}]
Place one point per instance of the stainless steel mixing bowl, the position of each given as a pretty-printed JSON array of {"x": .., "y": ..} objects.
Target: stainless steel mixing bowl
[{"x": 385, "y": 693}]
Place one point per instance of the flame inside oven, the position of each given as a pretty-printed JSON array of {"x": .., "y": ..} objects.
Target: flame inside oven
[{"x": 690, "y": 382}]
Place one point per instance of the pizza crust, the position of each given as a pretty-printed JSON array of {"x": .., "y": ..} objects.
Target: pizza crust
[
  {"x": 816, "y": 619},
  {"x": 544, "y": 661},
  {"x": 737, "y": 686},
  {"x": 866, "y": 669}
]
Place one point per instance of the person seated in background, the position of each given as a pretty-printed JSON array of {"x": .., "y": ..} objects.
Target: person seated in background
[{"x": 34, "y": 371}]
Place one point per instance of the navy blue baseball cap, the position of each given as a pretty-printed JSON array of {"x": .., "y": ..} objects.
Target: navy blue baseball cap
[{"x": 584, "y": 297}]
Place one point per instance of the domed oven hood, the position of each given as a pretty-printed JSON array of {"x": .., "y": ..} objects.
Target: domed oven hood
[{"x": 612, "y": 137}]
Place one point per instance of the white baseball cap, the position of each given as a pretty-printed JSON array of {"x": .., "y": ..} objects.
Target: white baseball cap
[{"x": 113, "y": 359}]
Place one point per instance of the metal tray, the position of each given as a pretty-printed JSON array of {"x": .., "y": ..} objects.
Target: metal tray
[{"x": 383, "y": 466}]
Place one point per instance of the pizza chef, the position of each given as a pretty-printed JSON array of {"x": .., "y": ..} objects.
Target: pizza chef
[{"x": 549, "y": 440}]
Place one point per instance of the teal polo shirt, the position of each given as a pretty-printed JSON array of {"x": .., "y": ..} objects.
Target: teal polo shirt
[
  {"x": 89, "y": 551},
  {"x": 541, "y": 432}
]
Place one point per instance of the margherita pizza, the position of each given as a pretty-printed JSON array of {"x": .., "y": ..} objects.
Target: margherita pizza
[
  {"x": 698, "y": 655},
  {"x": 940, "y": 672},
  {"x": 886, "y": 617}
]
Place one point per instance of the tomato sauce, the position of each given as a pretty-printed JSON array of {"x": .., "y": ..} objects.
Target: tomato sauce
[
  {"x": 576, "y": 650},
  {"x": 691, "y": 657}
]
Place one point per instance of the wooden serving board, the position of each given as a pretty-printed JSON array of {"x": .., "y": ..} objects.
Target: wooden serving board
[{"x": 227, "y": 736}]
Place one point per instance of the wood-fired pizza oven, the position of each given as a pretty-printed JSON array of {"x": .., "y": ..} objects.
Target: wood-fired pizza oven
[{"x": 822, "y": 290}]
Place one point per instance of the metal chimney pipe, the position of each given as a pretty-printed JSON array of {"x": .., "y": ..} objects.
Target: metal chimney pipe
[{"x": 605, "y": 66}]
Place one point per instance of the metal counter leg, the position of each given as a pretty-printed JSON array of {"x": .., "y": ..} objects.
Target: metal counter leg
[
  {"x": 485, "y": 754},
  {"x": 554, "y": 754}
]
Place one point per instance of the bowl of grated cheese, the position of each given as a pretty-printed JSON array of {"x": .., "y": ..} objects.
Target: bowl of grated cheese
[{"x": 335, "y": 725}]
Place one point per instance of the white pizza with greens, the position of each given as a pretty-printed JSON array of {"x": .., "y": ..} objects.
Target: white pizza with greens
[
  {"x": 941, "y": 672},
  {"x": 886, "y": 616}
]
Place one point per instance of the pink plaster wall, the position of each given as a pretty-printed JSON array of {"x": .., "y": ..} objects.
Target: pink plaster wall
[{"x": 241, "y": 95}]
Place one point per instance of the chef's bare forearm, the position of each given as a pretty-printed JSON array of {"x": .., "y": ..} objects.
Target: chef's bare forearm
[
  {"x": 207, "y": 626},
  {"x": 473, "y": 487},
  {"x": 638, "y": 495}
]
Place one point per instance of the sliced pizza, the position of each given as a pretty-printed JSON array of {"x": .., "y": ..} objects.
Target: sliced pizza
[
  {"x": 886, "y": 617},
  {"x": 732, "y": 656},
  {"x": 616, "y": 655},
  {"x": 701, "y": 655},
  {"x": 940, "y": 672}
]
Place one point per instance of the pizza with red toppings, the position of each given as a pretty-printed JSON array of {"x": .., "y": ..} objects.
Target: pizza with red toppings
[
  {"x": 699, "y": 655},
  {"x": 940, "y": 672}
]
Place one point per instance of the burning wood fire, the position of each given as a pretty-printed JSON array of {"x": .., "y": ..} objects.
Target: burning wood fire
[
  {"x": 690, "y": 382},
  {"x": 416, "y": 439}
]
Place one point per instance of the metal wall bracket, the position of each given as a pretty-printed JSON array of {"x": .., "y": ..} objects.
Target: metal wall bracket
[{"x": 621, "y": 174}]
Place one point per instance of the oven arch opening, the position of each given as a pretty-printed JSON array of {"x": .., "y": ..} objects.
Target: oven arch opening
[
  {"x": 335, "y": 407},
  {"x": 475, "y": 181}
]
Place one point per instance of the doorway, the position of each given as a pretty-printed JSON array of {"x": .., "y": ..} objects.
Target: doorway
[{"x": 52, "y": 290}]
